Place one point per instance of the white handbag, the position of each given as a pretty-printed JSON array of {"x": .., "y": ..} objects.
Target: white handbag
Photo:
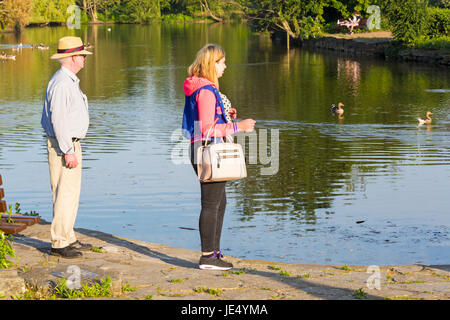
[{"x": 222, "y": 161}]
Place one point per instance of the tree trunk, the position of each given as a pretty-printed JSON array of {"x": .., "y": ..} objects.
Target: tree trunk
[
  {"x": 204, "y": 3},
  {"x": 287, "y": 28},
  {"x": 93, "y": 11}
]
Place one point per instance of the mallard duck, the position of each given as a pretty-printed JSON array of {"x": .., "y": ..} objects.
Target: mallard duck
[
  {"x": 338, "y": 109},
  {"x": 426, "y": 120}
]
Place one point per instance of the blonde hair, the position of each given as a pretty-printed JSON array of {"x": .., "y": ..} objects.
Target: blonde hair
[{"x": 204, "y": 65}]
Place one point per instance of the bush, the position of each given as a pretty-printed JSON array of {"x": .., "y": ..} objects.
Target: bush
[
  {"x": 5, "y": 250},
  {"x": 437, "y": 43},
  {"x": 409, "y": 19},
  {"x": 439, "y": 22},
  {"x": 440, "y": 3},
  {"x": 309, "y": 28}
]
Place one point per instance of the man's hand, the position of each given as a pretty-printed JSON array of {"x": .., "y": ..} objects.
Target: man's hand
[{"x": 70, "y": 160}]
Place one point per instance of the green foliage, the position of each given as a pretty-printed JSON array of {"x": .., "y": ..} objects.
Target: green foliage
[
  {"x": 45, "y": 11},
  {"x": 15, "y": 13},
  {"x": 179, "y": 17},
  {"x": 435, "y": 43},
  {"x": 211, "y": 291},
  {"x": 299, "y": 18},
  {"x": 130, "y": 11},
  {"x": 102, "y": 289},
  {"x": 19, "y": 211},
  {"x": 5, "y": 250},
  {"x": 360, "y": 294},
  {"x": 439, "y": 22},
  {"x": 440, "y": 3},
  {"x": 309, "y": 27},
  {"x": 409, "y": 19}
]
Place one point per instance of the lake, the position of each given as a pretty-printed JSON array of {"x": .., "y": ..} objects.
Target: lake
[{"x": 368, "y": 188}]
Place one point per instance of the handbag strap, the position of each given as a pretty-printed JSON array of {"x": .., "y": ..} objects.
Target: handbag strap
[
  {"x": 209, "y": 131},
  {"x": 228, "y": 137}
]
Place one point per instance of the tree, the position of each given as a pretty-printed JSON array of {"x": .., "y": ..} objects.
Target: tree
[
  {"x": 408, "y": 18},
  {"x": 298, "y": 18},
  {"x": 15, "y": 13},
  {"x": 205, "y": 5},
  {"x": 47, "y": 11}
]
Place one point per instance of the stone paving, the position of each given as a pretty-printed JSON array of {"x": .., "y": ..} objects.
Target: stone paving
[{"x": 156, "y": 272}]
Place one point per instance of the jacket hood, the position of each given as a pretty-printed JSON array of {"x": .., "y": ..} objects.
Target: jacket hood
[{"x": 193, "y": 83}]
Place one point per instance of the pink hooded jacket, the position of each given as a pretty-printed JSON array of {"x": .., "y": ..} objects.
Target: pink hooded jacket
[{"x": 206, "y": 102}]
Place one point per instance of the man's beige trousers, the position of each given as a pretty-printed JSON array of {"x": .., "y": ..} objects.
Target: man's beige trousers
[{"x": 66, "y": 187}]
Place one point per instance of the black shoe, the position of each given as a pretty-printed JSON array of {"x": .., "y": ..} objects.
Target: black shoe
[
  {"x": 77, "y": 245},
  {"x": 66, "y": 252},
  {"x": 214, "y": 262}
]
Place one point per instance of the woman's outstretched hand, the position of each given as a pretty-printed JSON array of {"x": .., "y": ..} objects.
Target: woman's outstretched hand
[{"x": 246, "y": 125}]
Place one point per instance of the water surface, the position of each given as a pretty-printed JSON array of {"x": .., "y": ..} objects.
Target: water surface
[{"x": 369, "y": 188}]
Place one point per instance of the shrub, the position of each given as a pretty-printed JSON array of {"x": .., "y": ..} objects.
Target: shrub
[
  {"x": 436, "y": 43},
  {"x": 5, "y": 250},
  {"x": 409, "y": 19},
  {"x": 439, "y": 22}
]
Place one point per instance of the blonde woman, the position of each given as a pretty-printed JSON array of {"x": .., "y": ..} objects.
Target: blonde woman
[{"x": 204, "y": 109}]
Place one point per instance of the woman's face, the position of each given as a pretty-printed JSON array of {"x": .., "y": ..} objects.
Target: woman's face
[{"x": 220, "y": 67}]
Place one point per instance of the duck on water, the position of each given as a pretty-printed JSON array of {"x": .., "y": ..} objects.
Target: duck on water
[
  {"x": 426, "y": 120},
  {"x": 337, "y": 110}
]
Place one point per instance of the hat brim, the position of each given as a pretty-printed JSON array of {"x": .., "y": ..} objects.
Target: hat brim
[{"x": 65, "y": 55}]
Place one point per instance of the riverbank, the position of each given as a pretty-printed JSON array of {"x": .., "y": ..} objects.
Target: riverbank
[
  {"x": 374, "y": 44},
  {"x": 142, "y": 270}
]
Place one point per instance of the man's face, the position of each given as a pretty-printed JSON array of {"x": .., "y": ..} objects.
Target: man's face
[{"x": 79, "y": 61}]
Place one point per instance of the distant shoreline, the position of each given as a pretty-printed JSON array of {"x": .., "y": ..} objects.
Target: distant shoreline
[
  {"x": 376, "y": 44},
  {"x": 372, "y": 44}
]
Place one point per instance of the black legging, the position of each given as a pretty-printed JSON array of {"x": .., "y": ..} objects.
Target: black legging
[{"x": 213, "y": 201}]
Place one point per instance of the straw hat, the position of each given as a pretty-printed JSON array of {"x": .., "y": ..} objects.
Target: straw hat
[{"x": 69, "y": 46}]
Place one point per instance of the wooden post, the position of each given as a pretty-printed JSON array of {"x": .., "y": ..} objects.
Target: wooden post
[
  {"x": 2, "y": 195},
  {"x": 287, "y": 38},
  {"x": 5, "y": 226}
]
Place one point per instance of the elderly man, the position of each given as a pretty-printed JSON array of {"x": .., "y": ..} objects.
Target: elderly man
[{"x": 65, "y": 119}]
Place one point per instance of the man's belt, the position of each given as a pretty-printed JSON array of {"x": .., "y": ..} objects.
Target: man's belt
[{"x": 75, "y": 139}]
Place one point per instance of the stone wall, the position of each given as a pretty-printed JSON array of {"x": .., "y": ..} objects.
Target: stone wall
[
  {"x": 382, "y": 48},
  {"x": 350, "y": 46}
]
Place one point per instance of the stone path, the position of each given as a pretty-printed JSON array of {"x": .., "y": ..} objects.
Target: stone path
[
  {"x": 387, "y": 35},
  {"x": 157, "y": 272}
]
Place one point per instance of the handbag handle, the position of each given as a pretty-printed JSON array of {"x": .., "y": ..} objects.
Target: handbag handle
[
  {"x": 209, "y": 131},
  {"x": 228, "y": 137}
]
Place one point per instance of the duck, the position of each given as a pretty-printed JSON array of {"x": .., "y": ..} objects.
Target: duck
[
  {"x": 4, "y": 56},
  {"x": 42, "y": 46},
  {"x": 89, "y": 46},
  {"x": 338, "y": 109},
  {"x": 426, "y": 120}
]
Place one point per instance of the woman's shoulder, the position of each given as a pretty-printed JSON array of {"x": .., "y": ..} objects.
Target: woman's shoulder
[{"x": 194, "y": 83}]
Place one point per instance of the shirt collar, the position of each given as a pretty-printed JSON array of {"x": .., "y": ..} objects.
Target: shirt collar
[{"x": 70, "y": 74}]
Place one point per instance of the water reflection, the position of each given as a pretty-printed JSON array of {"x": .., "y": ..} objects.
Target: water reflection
[
  {"x": 374, "y": 165},
  {"x": 351, "y": 70}
]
